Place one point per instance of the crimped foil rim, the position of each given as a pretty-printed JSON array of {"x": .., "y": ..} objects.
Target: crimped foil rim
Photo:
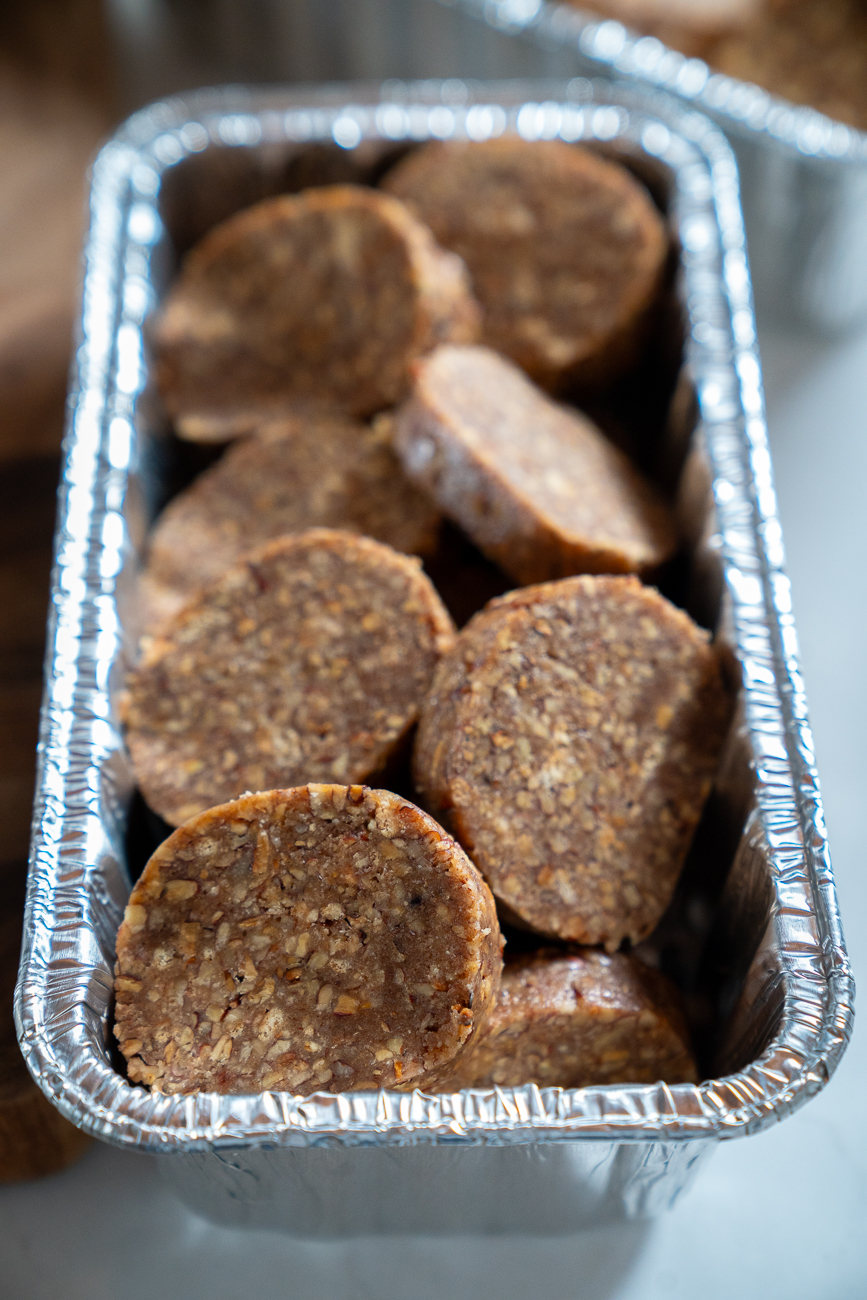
[
  {"x": 741, "y": 107},
  {"x": 74, "y": 897}
]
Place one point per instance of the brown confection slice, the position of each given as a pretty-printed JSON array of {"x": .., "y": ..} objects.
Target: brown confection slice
[
  {"x": 536, "y": 485},
  {"x": 566, "y": 251},
  {"x": 569, "y": 742},
  {"x": 325, "y": 296},
  {"x": 322, "y": 471},
  {"x": 325, "y": 938},
  {"x": 579, "y": 1020},
  {"x": 307, "y": 660}
]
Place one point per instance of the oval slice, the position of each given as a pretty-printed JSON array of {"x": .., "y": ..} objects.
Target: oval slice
[
  {"x": 296, "y": 473},
  {"x": 569, "y": 742},
  {"x": 535, "y": 484},
  {"x": 566, "y": 251},
  {"x": 577, "y": 1021},
  {"x": 322, "y": 297},
  {"x": 326, "y": 938},
  {"x": 307, "y": 660}
]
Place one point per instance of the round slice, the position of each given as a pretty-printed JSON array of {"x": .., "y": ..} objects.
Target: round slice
[
  {"x": 565, "y": 250},
  {"x": 306, "y": 661},
  {"x": 572, "y": 1022},
  {"x": 536, "y": 485},
  {"x": 569, "y": 742},
  {"x": 326, "y": 938},
  {"x": 297, "y": 473},
  {"x": 325, "y": 296}
]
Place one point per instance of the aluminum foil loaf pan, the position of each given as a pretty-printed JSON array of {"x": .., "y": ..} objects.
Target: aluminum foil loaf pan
[
  {"x": 753, "y": 935},
  {"x": 803, "y": 175}
]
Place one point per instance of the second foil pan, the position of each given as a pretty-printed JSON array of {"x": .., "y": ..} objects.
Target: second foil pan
[
  {"x": 754, "y": 930},
  {"x": 803, "y": 176}
]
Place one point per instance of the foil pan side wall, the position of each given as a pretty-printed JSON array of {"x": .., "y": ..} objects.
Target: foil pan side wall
[
  {"x": 78, "y": 882},
  {"x": 543, "y": 1188}
]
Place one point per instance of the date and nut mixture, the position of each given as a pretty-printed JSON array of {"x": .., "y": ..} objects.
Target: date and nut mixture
[
  {"x": 569, "y": 741},
  {"x": 307, "y": 660},
  {"x": 566, "y": 250},
  {"x": 303, "y": 471},
  {"x": 324, "y": 938},
  {"x": 536, "y": 485},
  {"x": 325, "y": 296},
  {"x": 579, "y": 1020},
  {"x": 330, "y": 937}
]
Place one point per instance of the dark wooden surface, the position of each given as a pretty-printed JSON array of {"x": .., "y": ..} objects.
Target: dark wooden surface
[{"x": 55, "y": 106}]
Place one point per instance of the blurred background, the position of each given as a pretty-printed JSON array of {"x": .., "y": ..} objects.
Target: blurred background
[{"x": 70, "y": 70}]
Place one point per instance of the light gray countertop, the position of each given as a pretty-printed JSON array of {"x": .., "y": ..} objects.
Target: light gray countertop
[{"x": 778, "y": 1215}]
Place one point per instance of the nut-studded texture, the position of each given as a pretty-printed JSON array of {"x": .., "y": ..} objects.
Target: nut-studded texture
[
  {"x": 535, "y": 484},
  {"x": 322, "y": 296},
  {"x": 307, "y": 661},
  {"x": 565, "y": 250},
  {"x": 325, "y": 938},
  {"x": 570, "y": 1022},
  {"x": 569, "y": 742},
  {"x": 300, "y": 472}
]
